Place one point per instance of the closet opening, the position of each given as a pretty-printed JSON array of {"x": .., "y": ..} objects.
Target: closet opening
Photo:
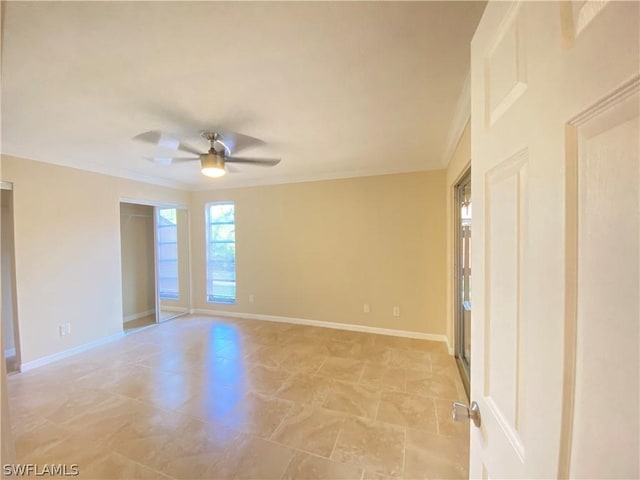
[
  {"x": 138, "y": 266},
  {"x": 10, "y": 326},
  {"x": 155, "y": 264}
]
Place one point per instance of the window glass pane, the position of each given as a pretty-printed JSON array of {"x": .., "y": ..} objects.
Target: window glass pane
[
  {"x": 221, "y": 271},
  {"x": 222, "y": 232},
  {"x": 221, "y": 291},
  {"x": 221, "y": 253},
  {"x": 221, "y": 212}
]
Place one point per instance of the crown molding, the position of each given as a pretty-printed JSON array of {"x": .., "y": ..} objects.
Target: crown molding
[
  {"x": 111, "y": 172},
  {"x": 461, "y": 116},
  {"x": 310, "y": 178},
  {"x": 257, "y": 182}
]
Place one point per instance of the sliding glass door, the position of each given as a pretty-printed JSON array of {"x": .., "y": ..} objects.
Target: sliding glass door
[{"x": 462, "y": 220}]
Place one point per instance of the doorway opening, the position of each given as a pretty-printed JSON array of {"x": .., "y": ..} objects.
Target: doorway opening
[
  {"x": 138, "y": 266},
  {"x": 155, "y": 264},
  {"x": 10, "y": 328},
  {"x": 462, "y": 222}
]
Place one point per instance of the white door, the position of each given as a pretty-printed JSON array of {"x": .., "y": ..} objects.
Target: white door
[{"x": 555, "y": 175}]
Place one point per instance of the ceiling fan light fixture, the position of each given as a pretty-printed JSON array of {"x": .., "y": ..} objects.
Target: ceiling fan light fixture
[
  {"x": 212, "y": 165},
  {"x": 214, "y": 172}
]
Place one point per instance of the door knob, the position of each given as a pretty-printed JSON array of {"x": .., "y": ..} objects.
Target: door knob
[{"x": 462, "y": 412}]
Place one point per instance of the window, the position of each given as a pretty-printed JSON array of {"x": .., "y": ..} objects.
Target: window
[
  {"x": 221, "y": 253},
  {"x": 168, "y": 254}
]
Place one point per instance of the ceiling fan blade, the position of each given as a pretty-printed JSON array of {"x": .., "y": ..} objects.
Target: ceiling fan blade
[
  {"x": 188, "y": 149},
  {"x": 234, "y": 142},
  {"x": 265, "y": 162},
  {"x": 165, "y": 141},
  {"x": 159, "y": 139},
  {"x": 171, "y": 160}
]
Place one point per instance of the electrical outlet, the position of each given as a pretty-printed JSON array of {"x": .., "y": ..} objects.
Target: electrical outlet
[
  {"x": 396, "y": 311},
  {"x": 365, "y": 308},
  {"x": 65, "y": 329},
  {"x": 251, "y": 298}
]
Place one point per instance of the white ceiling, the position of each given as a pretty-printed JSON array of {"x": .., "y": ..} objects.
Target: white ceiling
[{"x": 336, "y": 89}]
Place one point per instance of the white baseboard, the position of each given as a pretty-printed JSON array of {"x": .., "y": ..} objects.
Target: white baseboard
[
  {"x": 320, "y": 323},
  {"x": 39, "y": 362},
  {"x": 136, "y": 316},
  {"x": 10, "y": 352}
]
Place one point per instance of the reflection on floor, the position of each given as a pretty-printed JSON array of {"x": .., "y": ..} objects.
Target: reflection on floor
[
  {"x": 139, "y": 323},
  {"x": 203, "y": 397}
]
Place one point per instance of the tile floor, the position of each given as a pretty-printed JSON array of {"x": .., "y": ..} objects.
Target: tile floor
[{"x": 202, "y": 397}]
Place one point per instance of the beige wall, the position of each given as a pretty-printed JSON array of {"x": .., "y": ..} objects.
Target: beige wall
[
  {"x": 138, "y": 262},
  {"x": 316, "y": 250},
  {"x": 458, "y": 165},
  {"x": 67, "y": 249},
  {"x": 320, "y": 250}
]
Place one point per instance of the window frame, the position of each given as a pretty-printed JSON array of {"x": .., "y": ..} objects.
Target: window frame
[{"x": 208, "y": 242}]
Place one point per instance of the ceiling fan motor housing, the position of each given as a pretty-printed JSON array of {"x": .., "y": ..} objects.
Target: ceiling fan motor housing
[{"x": 212, "y": 160}]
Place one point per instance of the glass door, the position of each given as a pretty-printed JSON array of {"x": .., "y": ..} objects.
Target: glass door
[{"x": 463, "y": 276}]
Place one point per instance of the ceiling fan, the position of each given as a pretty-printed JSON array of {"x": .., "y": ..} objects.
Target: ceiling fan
[{"x": 214, "y": 162}]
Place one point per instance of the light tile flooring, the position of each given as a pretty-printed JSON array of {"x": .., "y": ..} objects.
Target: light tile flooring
[{"x": 203, "y": 397}]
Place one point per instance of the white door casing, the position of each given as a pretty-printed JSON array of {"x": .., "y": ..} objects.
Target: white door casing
[{"x": 554, "y": 111}]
